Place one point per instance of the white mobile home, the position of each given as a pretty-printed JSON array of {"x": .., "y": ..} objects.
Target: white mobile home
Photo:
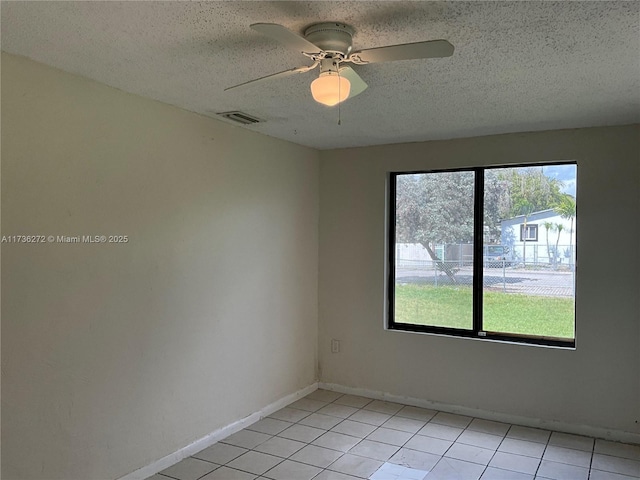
[{"x": 541, "y": 237}]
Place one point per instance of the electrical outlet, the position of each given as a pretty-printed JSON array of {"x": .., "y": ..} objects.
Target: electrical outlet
[{"x": 335, "y": 346}]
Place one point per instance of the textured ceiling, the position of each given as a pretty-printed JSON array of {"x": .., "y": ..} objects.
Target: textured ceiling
[{"x": 518, "y": 66}]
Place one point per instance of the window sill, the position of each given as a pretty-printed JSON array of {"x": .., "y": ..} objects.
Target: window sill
[{"x": 514, "y": 339}]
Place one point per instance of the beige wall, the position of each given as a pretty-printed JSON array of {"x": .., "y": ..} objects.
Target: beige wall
[
  {"x": 114, "y": 356},
  {"x": 598, "y": 384}
]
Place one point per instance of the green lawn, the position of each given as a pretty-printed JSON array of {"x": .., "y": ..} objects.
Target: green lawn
[{"x": 447, "y": 306}]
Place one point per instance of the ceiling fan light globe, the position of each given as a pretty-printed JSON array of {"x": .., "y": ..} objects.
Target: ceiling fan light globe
[{"x": 330, "y": 89}]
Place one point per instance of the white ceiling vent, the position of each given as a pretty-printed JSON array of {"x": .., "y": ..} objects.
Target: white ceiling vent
[{"x": 240, "y": 117}]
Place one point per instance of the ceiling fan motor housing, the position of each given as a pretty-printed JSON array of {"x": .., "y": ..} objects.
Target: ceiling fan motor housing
[{"x": 331, "y": 37}]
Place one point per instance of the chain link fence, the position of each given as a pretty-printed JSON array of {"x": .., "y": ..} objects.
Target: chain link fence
[{"x": 530, "y": 269}]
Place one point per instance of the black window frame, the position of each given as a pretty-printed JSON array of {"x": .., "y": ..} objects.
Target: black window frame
[
  {"x": 477, "y": 331},
  {"x": 534, "y": 226}
]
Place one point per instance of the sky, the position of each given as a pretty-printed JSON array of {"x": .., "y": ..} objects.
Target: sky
[{"x": 566, "y": 174}]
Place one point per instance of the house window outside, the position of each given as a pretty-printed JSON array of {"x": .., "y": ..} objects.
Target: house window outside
[
  {"x": 530, "y": 233},
  {"x": 460, "y": 262}
]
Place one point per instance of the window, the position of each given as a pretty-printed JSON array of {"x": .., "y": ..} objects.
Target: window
[
  {"x": 529, "y": 233},
  {"x": 484, "y": 252}
]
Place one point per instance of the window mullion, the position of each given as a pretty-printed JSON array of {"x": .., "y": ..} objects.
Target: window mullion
[{"x": 478, "y": 243}]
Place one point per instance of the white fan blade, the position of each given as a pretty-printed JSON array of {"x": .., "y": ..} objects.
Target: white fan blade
[
  {"x": 407, "y": 51},
  {"x": 286, "y": 37},
  {"x": 285, "y": 73},
  {"x": 357, "y": 84}
]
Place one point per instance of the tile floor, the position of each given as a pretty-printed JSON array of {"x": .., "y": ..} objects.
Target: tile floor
[{"x": 330, "y": 436}]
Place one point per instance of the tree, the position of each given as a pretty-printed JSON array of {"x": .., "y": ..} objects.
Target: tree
[
  {"x": 496, "y": 202},
  {"x": 529, "y": 190},
  {"x": 435, "y": 208},
  {"x": 549, "y": 226},
  {"x": 559, "y": 228},
  {"x": 566, "y": 208}
]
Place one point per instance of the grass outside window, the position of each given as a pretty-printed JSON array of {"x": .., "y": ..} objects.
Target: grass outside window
[{"x": 449, "y": 307}]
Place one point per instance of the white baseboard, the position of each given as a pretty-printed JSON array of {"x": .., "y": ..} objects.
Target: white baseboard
[
  {"x": 217, "y": 435},
  {"x": 598, "y": 432}
]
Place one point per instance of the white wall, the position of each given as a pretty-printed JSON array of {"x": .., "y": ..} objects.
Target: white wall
[
  {"x": 598, "y": 384},
  {"x": 114, "y": 356}
]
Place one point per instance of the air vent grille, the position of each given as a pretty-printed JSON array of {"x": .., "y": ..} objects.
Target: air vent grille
[{"x": 240, "y": 117}]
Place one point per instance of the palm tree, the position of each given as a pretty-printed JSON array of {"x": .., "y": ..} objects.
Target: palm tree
[
  {"x": 549, "y": 226},
  {"x": 559, "y": 228},
  {"x": 566, "y": 208}
]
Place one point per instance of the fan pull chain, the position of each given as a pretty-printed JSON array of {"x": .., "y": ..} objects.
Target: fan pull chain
[{"x": 339, "y": 94}]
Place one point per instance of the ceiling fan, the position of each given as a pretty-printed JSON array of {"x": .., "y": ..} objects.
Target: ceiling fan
[{"x": 329, "y": 46}]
